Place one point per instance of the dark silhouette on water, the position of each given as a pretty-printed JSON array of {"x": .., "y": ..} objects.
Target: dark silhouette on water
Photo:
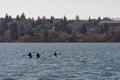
[
  {"x": 23, "y": 55},
  {"x": 59, "y": 53},
  {"x": 38, "y": 55},
  {"x": 55, "y": 54},
  {"x": 29, "y": 55}
]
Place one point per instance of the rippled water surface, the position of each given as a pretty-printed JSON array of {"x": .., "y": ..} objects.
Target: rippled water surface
[{"x": 78, "y": 61}]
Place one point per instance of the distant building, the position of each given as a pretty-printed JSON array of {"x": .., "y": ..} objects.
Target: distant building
[
  {"x": 107, "y": 19},
  {"x": 110, "y": 22}
]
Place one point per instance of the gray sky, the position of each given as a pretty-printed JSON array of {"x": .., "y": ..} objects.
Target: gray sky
[{"x": 59, "y": 8}]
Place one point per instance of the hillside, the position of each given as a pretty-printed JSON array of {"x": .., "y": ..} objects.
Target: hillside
[{"x": 20, "y": 29}]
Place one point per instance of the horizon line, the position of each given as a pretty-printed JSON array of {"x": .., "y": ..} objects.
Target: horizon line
[{"x": 27, "y": 17}]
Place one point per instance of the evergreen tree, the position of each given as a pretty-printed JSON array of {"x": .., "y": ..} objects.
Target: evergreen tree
[
  {"x": 23, "y": 16},
  {"x": 65, "y": 19},
  {"x": 17, "y": 17},
  {"x": 38, "y": 21},
  {"x": 6, "y": 16},
  {"x": 99, "y": 18},
  {"x": 52, "y": 19},
  {"x": 89, "y": 18},
  {"x": 77, "y": 17}
]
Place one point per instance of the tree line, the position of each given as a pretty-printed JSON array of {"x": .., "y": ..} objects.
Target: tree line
[{"x": 42, "y": 29}]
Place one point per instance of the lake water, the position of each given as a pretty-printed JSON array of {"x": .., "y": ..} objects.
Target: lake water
[{"x": 78, "y": 61}]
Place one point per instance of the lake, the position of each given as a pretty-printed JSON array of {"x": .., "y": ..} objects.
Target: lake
[{"x": 78, "y": 61}]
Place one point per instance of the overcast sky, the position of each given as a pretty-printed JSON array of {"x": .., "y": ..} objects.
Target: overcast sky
[{"x": 59, "y": 8}]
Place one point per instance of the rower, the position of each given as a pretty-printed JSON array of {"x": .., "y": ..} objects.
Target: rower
[
  {"x": 38, "y": 55},
  {"x": 55, "y": 54},
  {"x": 29, "y": 55}
]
